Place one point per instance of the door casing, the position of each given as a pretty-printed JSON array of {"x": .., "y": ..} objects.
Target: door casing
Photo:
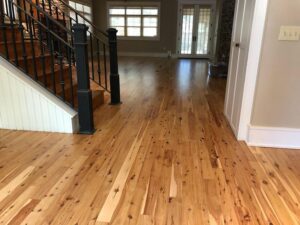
[{"x": 246, "y": 89}]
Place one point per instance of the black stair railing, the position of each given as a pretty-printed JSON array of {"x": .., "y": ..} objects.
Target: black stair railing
[
  {"x": 98, "y": 42},
  {"x": 36, "y": 56},
  {"x": 97, "y": 45},
  {"x": 30, "y": 41}
]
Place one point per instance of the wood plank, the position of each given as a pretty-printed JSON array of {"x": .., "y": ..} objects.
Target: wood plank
[{"x": 166, "y": 156}]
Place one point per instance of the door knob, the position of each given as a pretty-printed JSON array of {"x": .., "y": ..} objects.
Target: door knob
[{"x": 237, "y": 45}]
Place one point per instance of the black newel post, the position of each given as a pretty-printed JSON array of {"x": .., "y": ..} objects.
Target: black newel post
[
  {"x": 114, "y": 70},
  {"x": 85, "y": 105}
]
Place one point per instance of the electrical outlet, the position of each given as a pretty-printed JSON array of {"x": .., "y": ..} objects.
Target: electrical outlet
[{"x": 289, "y": 33}]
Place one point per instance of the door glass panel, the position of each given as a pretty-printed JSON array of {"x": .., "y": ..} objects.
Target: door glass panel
[
  {"x": 187, "y": 30},
  {"x": 203, "y": 31}
]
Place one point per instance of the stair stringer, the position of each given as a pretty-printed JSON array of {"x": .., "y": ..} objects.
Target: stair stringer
[{"x": 25, "y": 105}]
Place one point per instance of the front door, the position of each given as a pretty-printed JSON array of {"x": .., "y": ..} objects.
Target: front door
[
  {"x": 238, "y": 61},
  {"x": 194, "y": 39}
]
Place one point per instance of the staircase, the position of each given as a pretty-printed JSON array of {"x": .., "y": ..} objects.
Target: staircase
[{"x": 71, "y": 62}]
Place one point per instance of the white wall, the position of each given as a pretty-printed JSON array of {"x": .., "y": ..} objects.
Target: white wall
[
  {"x": 275, "y": 118},
  {"x": 25, "y": 105}
]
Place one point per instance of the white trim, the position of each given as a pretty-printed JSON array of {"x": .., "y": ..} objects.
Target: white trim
[
  {"x": 136, "y": 4},
  {"x": 145, "y": 54},
  {"x": 274, "y": 137},
  {"x": 252, "y": 69}
]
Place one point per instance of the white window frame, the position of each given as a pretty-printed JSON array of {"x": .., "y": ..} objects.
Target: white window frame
[{"x": 136, "y": 4}]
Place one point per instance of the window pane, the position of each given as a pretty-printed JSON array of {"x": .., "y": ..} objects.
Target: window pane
[
  {"x": 116, "y": 21},
  {"x": 133, "y": 11},
  {"x": 79, "y": 7},
  {"x": 72, "y": 4},
  {"x": 133, "y": 31},
  {"x": 86, "y": 9},
  {"x": 80, "y": 19},
  {"x": 150, "y": 21},
  {"x": 134, "y": 21},
  {"x": 150, "y": 11},
  {"x": 72, "y": 15},
  {"x": 150, "y": 32},
  {"x": 88, "y": 16},
  {"x": 121, "y": 31},
  {"x": 117, "y": 11}
]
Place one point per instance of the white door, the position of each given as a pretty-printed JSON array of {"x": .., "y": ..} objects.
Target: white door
[
  {"x": 194, "y": 38},
  {"x": 238, "y": 61}
]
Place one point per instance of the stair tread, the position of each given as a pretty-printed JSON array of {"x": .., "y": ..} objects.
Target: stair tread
[{"x": 19, "y": 42}]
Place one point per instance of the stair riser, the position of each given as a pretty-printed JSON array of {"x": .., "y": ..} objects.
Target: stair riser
[
  {"x": 9, "y": 35},
  {"x": 38, "y": 63}
]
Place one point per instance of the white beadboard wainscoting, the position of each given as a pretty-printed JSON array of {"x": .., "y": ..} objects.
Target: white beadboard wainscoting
[{"x": 25, "y": 105}]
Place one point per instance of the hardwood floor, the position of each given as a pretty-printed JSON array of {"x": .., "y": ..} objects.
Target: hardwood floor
[{"x": 166, "y": 156}]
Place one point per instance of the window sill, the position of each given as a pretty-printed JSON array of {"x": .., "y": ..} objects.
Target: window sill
[{"x": 138, "y": 39}]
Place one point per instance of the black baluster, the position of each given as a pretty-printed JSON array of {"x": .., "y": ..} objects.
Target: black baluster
[
  {"x": 64, "y": 18},
  {"x": 69, "y": 57},
  {"x": 2, "y": 14},
  {"x": 56, "y": 11},
  {"x": 26, "y": 19},
  {"x": 32, "y": 21},
  {"x": 4, "y": 36},
  {"x": 50, "y": 43},
  {"x": 50, "y": 7},
  {"x": 85, "y": 104},
  {"x": 12, "y": 27},
  {"x": 43, "y": 5},
  {"x": 114, "y": 71},
  {"x": 98, "y": 60},
  {"x": 21, "y": 30},
  {"x": 72, "y": 42},
  {"x": 105, "y": 66},
  {"x": 61, "y": 68},
  {"x": 92, "y": 56},
  {"x": 32, "y": 49},
  {"x": 42, "y": 53}
]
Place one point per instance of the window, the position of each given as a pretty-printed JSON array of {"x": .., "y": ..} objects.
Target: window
[
  {"x": 135, "y": 21},
  {"x": 84, "y": 10}
]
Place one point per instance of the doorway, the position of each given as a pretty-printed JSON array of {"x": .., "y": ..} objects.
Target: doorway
[{"x": 195, "y": 26}]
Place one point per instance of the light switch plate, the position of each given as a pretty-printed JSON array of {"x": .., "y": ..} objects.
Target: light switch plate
[{"x": 289, "y": 33}]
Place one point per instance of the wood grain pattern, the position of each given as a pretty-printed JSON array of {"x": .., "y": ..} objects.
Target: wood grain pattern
[{"x": 166, "y": 156}]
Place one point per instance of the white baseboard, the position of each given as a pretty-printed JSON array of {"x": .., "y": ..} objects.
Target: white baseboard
[
  {"x": 275, "y": 137},
  {"x": 146, "y": 54}
]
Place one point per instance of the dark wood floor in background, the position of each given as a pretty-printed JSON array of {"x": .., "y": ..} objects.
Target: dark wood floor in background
[{"x": 166, "y": 156}]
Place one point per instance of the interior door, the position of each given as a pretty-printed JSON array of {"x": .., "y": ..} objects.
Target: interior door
[
  {"x": 194, "y": 39},
  {"x": 238, "y": 61}
]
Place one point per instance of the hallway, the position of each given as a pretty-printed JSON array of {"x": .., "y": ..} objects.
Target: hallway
[{"x": 166, "y": 156}]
